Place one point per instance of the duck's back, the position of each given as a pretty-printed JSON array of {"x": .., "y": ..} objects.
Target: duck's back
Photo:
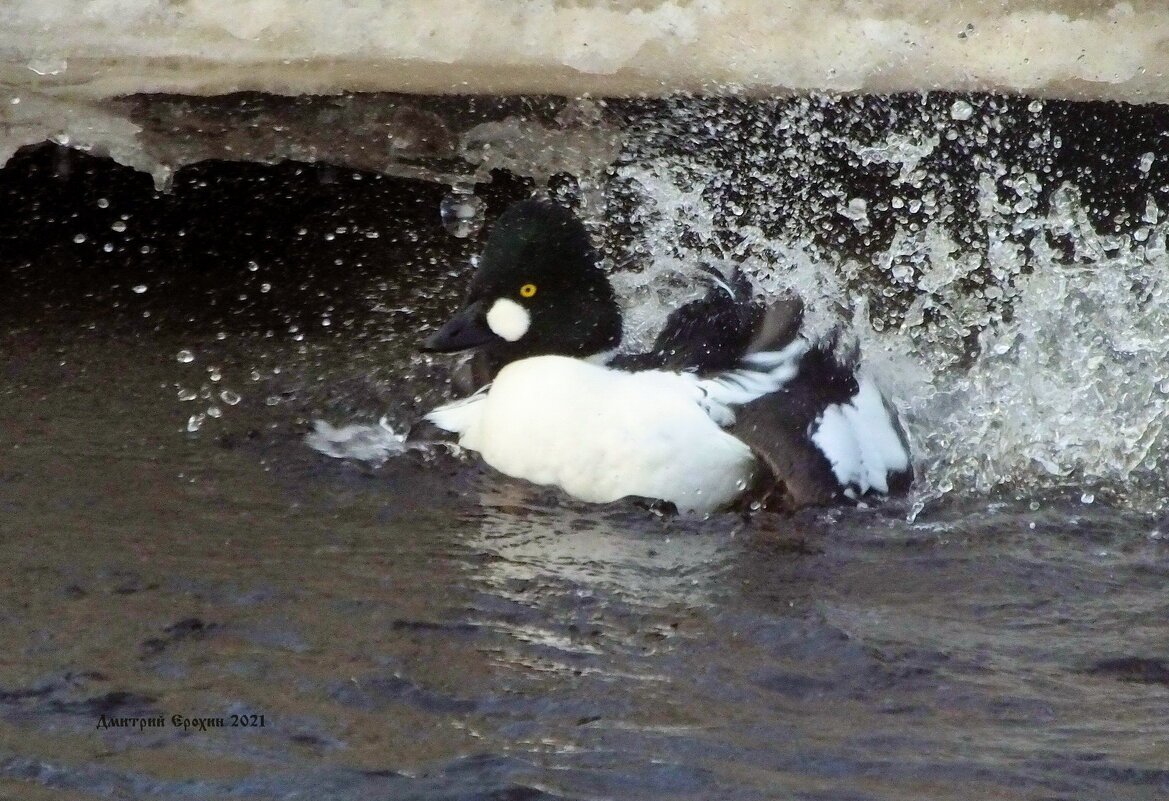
[{"x": 603, "y": 434}]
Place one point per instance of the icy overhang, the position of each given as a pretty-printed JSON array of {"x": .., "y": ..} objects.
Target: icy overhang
[{"x": 67, "y": 67}]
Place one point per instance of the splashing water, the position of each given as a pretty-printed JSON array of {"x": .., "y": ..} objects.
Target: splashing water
[
  {"x": 1023, "y": 340},
  {"x": 461, "y": 213},
  {"x": 366, "y": 443}
]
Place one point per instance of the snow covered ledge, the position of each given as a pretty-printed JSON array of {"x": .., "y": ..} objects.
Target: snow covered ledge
[
  {"x": 97, "y": 74},
  {"x": 102, "y": 48}
]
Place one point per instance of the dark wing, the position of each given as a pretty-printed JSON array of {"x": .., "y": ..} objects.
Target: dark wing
[{"x": 713, "y": 333}]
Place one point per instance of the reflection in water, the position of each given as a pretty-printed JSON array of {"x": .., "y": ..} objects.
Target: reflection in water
[{"x": 631, "y": 554}]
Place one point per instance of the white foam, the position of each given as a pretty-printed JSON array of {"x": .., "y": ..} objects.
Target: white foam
[{"x": 365, "y": 443}]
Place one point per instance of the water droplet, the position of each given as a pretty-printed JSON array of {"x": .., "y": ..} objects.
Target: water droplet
[
  {"x": 185, "y": 356},
  {"x": 118, "y": 225},
  {"x": 1087, "y": 497},
  {"x": 265, "y": 287},
  {"x": 79, "y": 238},
  {"x": 961, "y": 110},
  {"x": 461, "y": 213},
  {"x": 214, "y": 411},
  {"x": 108, "y": 247},
  {"x": 103, "y": 203},
  {"x": 195, "y": 421},
  {"x": 229, "y": 397},
  {"x": 187, "y": 395},
  {"x": 140, "y": 289}
]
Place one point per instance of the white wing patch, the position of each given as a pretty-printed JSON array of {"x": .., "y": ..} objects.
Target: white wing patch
[
  {"x": 860, "y": 440},
  {"x": 763, "y": 373}
]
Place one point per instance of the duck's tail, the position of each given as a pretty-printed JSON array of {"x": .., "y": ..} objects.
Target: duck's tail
[{"x": 459, "y": 415}]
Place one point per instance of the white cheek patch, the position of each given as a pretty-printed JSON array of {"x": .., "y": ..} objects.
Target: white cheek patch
[{"x": 508, "y": 319}]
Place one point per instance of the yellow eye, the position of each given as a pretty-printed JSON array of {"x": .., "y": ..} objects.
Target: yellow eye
[{"x": 527, "y": 290}]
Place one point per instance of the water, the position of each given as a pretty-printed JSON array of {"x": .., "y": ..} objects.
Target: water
[
  {"x": 428, "y": 630},
  {"x": 413, "y": 626}
]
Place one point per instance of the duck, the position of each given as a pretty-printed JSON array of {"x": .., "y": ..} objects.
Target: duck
[{"x": 733, "y": 403}]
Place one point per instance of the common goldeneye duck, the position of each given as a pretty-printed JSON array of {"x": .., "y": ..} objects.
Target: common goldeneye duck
[{"x": 731, "y": 400}]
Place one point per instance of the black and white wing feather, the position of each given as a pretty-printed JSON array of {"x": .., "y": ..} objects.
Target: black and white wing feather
[{"x": 824, "y": 430}]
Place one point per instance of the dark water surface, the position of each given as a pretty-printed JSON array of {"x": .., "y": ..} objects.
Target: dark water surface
[{"x": 428, "y": 631}]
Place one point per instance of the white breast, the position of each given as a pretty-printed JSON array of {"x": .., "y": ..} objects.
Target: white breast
[{"x": 603, "y": 434}]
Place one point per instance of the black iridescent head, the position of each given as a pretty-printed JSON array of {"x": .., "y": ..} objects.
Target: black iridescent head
[{"x": 539, "y": 291}]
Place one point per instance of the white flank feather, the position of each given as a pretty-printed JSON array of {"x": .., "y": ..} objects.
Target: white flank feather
[{"x": 602, "y": 434}]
